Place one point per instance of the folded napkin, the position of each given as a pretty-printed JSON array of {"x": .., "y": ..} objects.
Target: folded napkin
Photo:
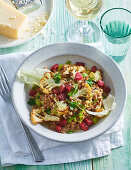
[{"x": 14, "y": 148}]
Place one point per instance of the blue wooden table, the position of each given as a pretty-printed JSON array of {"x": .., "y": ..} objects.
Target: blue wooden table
[{"x": 119, "y": 159}]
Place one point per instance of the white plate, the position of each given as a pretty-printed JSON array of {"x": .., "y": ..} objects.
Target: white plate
[
  {"x": 60, "y": 53},
  {"x": 46, "y": 7}
]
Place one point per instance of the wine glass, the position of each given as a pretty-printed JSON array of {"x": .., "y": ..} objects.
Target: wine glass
[{"x": 84, "y": 31}]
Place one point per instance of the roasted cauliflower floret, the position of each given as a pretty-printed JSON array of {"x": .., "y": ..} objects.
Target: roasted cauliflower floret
[
  {"x": 39, "y": 115},
  {"x": 62, "y": 108},
  {"x": 36, "y": 117},
  {"x": 77, "y": 69},
  {"x": 97, "y": 75},
  {"x": 72, "y": 70},
  {"x": 84, "y": 92},
  {"x": 47, "y": 83},
  {"x": 66, "y": 69}
]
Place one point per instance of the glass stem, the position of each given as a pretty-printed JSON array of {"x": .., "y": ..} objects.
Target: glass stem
[{"x": 84, "y": 29}]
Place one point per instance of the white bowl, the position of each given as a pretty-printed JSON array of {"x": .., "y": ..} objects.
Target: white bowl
[{"x": 60, "y": 53}]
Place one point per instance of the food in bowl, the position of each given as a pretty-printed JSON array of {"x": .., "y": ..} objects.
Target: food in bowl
[{"x": 67, "y": 97}]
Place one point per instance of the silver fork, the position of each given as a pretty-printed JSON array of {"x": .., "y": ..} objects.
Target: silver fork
[{"x": 5, "y": 92}]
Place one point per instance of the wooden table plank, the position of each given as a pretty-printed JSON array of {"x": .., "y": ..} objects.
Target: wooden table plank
[
  {"x": 120, "y": 158},
  {"x": 83, "y": 165}
]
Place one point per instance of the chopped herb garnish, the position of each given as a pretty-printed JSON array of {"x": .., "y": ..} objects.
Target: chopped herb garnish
[
  {"x": 94, "y": 101},
  {"x": 60, "y": 66},
  {"x": 68, "y": 62},
  {"x": 70, "y": 93},
  {"x": 71, "y": 118},
  {"x": 90, "y": 82},
  {"x": 68, "y": 78},
  {"x": 74, "y": 91},
  {"x": 70, "y": 132},
  {"x": 84, "y": 75},
  {"x": 55, "y": 109},
  {"x": 75, "y": 82},
  {"x": 38, "y": 95},
  {"x": 34, "y": 87},
  {"x": 38, "y": 102},
  {"x": 31, "y": 102},
  {"x": 73, "y": 105},
  {"x": 81, "y": 117},
  {"x": 104, "y": 97},
  {"x": 79, "y": 107},
  {"x": 57, "y": 78},
  {"x": 75, "y": 119},
  {"x": 88, "y": 71},
  {"x": 48, "y": 110}
]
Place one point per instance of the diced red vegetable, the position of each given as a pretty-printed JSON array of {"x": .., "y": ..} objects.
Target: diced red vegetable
[
  {"x": 106, "y": 89},
  {"x": 55, "y": 91},
  {"x": 89, "y": 122},
  {"x": 62, "y": 88},
  {"x": 80, "y": 64},
  {"x": 100, "y": 83},
  {"x": 68, "y": 87},
  {"x": 63, "y": 122},
  {"x": 54, "y": 67},
  {"x": 62, "y": 96},
  {"x": 58, "y": 128},
  {"x": 78, "y": 77},
  {"x": 93, "y": 69},
  {"x": 32, "y": 92},
  {"x": 84, "y": 126}
]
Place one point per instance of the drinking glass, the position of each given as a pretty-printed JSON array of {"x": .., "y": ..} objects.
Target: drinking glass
[
  {"x": 83, "y": 30},
  {"x": 116, "y": 29}
]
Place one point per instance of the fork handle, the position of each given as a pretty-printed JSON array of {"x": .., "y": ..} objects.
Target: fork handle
[{"x": 37, "y": 154}]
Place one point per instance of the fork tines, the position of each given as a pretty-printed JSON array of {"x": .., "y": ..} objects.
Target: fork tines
[{"x": 4, "y": 83}]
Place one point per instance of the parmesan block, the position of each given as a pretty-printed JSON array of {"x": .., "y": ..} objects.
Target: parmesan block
[{"x": 12, "y": 22}]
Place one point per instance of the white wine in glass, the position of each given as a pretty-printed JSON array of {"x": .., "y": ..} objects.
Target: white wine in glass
[{"x": 83, "y": 31}]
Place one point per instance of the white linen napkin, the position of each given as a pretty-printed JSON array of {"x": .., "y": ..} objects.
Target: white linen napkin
[{"x": 14, "y": 148}]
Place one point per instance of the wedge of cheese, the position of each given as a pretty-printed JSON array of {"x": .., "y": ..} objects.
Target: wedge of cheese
[{"x": 13, "y": 23}]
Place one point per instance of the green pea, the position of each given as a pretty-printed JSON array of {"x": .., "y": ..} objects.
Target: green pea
[
  {"x": 68, "y": 62},
  {"x": 95, "y": 120},
  {"x": 70, "y": 120},
  {"x": 69, "y": 132}
]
